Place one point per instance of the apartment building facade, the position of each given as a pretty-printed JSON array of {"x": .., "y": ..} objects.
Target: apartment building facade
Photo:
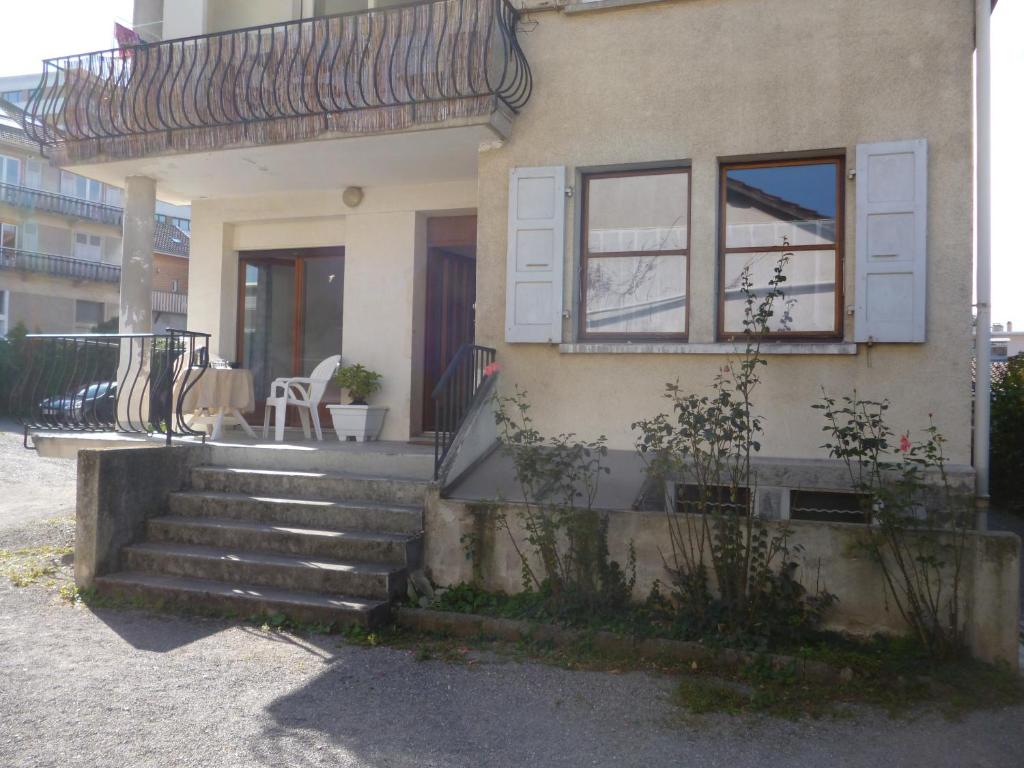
[
  {"x": 61, "y": 232},
  {"x": 575, "y": 190},
  {"x": 61, "y": 247}
]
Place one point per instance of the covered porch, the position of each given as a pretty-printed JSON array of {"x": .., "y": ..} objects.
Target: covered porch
[{"x": 331, "y": 165}]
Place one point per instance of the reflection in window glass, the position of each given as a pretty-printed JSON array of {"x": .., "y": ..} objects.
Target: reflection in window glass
[
  {"x": 637, "y": 213},
  {"x": 636, "y": 295},
  {"x": 769, "y": 206},
  {"x": 777, "y": 209},
  {"x": 809, "y": 303},
  {"x": 635, "y": 255}
]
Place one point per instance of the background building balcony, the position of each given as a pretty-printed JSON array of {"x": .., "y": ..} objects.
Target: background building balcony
[
  {"x": 171, "y": 303},
  {"x": 369, "y": 72},
  {"x": 16, "y": 259},
  {"x": 64, "y": 205}
]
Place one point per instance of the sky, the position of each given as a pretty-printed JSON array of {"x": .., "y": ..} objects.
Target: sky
[{"x": 63, "y": 27}]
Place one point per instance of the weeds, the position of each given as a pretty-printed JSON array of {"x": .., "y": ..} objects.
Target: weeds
[{"x": 34, "y": 565}]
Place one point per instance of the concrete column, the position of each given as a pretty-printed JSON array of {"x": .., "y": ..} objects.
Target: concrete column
[
  {"x": 136, "y": 309},
  {"x": 137, "y": 262}
]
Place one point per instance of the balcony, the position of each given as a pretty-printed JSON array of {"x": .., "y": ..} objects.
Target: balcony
[
  {"x": 59, "y": 266},
  {"x": 171, "y": 303},
  {"x": 51, "y": 202},
  {"x": 378, "y": 71}
]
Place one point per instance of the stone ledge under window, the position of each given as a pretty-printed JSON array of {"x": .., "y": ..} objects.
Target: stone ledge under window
[{"x": 717, "y": 348}]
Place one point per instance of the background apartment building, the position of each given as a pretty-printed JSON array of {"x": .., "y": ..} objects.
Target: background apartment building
[{"x": 60, "y": 239}]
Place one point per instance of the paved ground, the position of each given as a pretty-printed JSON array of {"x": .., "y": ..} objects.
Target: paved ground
[
  {"x": 129, "y": 689},
  {"x": 32, "y": 488},
  {"x": 108, "y": 688}
]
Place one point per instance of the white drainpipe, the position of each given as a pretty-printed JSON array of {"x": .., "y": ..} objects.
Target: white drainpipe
[{"x": 983, "y": 275}]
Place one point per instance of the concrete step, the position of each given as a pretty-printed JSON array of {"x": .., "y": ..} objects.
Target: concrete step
[
  {"x": 322, "y": 486},
  {"x": 306, "y": 513},
  {"x": 161, "y": 590},
  {"x": 379, "y": 459},
  {"x": 398, "y": 549},
  {"x": 288, "y": 572}
]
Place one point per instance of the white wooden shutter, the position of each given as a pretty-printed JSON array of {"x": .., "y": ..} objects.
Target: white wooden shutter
[
  {"x": 892, "y": 248},
  {"x": 536, "y": 247}
]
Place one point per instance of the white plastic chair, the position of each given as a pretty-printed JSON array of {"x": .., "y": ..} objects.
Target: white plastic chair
[{"x": 305, "y": 393}]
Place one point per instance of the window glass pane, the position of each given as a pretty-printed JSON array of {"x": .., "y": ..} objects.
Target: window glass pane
[
  {"x": 637, "y": 213},
  {"x": 636, "y": 294},
  {"x": 772, "y": 206},
  {"x": 269, "y": 320},
  {"x": 88, "y": 312},
  {"x": 323, "y": 288},
  {"x": 809, "y": 300},
  {"x": 8, "y": 235},
  {"x": 11, "y": 170}
]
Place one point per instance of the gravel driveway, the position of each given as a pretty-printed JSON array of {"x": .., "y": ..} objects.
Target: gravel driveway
[
  {"x": 127, "y": 688},
  {"x": 110, "y": 688},
  {"x": 32, "y": 488}
]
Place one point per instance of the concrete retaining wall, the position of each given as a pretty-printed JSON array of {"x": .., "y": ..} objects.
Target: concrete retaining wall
[
  {"x": 831, "y": 557},
  {"x": 118, "y": 489}
]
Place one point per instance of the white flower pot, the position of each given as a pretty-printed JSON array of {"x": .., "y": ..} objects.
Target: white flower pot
[{"x": 363, "y": 422}]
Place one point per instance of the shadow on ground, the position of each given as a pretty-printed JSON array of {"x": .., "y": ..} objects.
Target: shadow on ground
[{"x": 157, "y": 633}]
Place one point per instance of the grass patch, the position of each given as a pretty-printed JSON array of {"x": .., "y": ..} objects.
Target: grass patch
[
  {"x": 891, "y": 674},
  {"x": 33, "y": 565},
  {"x": 652, "y": 618}
]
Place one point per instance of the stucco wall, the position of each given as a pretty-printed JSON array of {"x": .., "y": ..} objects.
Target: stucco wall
[
  {"x": 46, "y": 304},
  {"x": 702, "y": 80},
  {"x": 831, "y": 557},
  {"x": 385, "y": 254}
]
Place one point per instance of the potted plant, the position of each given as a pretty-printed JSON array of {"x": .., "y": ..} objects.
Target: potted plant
[{"x": 357, "y": 420}]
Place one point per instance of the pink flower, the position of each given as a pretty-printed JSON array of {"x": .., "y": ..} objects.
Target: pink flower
[
  {"x": 492, "y": 369},
  {"x": 904, "y": 443}
]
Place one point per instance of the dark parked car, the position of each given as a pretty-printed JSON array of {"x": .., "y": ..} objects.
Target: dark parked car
[{"x": 90, "y": 405}]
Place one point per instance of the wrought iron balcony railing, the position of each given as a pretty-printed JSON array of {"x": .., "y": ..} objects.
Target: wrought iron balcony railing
[
  {"x": 60, "y": 266},
  {"x": 95, "y": 382},
  {"x": 51, "y": 202},
  {"x": 362, "y": 72}
]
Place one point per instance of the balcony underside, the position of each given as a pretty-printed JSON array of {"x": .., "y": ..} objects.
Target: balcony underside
[
  {"x": 448, "y": 113},
  {"x": 330, "y": 162},
  {"x": 431, "y": 64}
]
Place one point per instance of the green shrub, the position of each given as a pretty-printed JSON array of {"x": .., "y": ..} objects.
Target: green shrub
[
  {"x": 12, "y": 364},
  {"x": 1008, "y": 435}
]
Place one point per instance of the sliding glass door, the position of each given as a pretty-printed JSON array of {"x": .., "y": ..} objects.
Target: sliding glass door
[{"x": 289, "y": 314}]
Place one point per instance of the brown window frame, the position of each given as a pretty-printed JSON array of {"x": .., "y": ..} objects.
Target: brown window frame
[
  {"x": 839, "y": 161},
  {"x": 585, "y": 254}
]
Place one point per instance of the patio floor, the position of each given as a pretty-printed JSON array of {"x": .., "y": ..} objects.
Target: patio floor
[{"x": 386, "y": 457}]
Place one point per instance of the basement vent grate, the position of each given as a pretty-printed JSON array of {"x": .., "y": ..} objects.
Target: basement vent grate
[
  {"x": 828, "y": 507},
  {"x": 718, "y": 498}
]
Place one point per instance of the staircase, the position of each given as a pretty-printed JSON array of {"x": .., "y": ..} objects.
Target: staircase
[{"x": 322, "y": 547}]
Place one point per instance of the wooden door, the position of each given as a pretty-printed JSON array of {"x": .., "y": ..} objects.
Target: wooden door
[{"x": 451, "y": 295}]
